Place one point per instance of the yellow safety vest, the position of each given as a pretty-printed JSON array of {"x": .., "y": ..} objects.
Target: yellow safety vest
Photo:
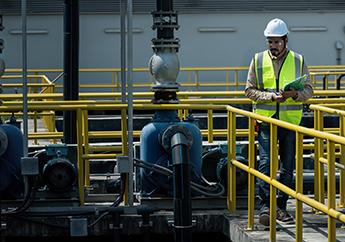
[{"x": 291, "y": 68}]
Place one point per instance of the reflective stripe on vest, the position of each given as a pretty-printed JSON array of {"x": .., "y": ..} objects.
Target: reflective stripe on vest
[
  {"x": 289, "y": 110},
  {"x": 281, "y": 108}
]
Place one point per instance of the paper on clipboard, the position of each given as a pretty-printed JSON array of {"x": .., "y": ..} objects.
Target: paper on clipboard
[{"x": 297, "y": 84}]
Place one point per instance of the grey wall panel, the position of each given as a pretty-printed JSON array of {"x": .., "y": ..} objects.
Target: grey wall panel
[
  {"x": 183, "y": 6},
  {"x": 44, "y": 50},
  {"x": 100, "y": 49}
]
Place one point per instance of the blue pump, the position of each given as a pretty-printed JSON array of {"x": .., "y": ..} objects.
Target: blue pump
[
  {"x": 11, "y": 182},
  {"x": 152, "y": 151}
]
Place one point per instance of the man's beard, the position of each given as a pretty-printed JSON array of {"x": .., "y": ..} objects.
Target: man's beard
[{"x": 274, "y": 52}]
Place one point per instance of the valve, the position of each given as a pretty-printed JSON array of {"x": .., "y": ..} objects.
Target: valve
[{"x": 164, "y": 64}]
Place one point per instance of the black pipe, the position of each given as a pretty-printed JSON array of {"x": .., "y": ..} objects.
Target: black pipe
[
  {"x": 339, "y": 81},
  {"x": 324, "y": 82},
  {"x": 182, "y": 197},
  {"x": 116, "y": 227},
  {"x": 71, "y": 66},
  {"x": 165, "y": 6}
]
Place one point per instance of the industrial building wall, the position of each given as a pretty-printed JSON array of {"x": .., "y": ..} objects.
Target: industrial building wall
[{"x": 222, "y": 39}]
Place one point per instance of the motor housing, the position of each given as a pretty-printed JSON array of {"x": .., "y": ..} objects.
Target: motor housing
[{"x": 59, "y": 174}]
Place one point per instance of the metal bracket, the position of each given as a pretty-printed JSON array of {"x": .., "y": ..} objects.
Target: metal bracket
[
  {"x": 29, "y": 166},
  {"x": 122, "y": 164}
]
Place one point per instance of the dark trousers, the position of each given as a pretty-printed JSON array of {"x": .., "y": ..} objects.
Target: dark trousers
[{"x": 287, "y": 151}]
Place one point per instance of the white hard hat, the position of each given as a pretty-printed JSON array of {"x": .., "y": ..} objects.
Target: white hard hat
[{"x": 276, "y": 28}]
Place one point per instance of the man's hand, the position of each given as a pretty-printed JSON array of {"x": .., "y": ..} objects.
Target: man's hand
[
  {"x": 287, "y": 94},
  {"x": 278, "y": 97}
]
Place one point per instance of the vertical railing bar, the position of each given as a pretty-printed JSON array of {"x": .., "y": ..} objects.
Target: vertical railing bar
[
  {"x": 231, "y": 156},
  {"x": 299, "y": 186},
  {"x": 86, "y": 147},
  {"x": 80, "y": 157},
  {"x": 273, "y": 176},
  {"x": 251, "y": 163},
  {"x": 316, "y": 156},
  {"x": 321, "y": 166},
  {"x": 342, "y": 162},
  {"x": 331, "y": 189}
]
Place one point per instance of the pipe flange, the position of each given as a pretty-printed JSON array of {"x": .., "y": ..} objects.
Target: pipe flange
[
  {"x": 171, "y": 131},
  {"x": 3, "y": 142}
]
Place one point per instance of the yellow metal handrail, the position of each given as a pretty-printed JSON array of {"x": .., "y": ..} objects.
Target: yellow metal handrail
[
  {"x": 319, "y": 160},
  {"x": 193, "y": 76},
  {"x": 35, "y": 84},
  {"x": 331, "y": 139},
  {"x": 210, "y": 133},
  {"x": 329, "y": 209}
]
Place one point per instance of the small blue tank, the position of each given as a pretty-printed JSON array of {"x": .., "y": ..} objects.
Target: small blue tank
[
  {"x": 11, "y": 183},
  {"x": 153, "y": 152}
]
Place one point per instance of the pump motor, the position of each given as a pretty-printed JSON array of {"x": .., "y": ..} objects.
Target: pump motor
[{"x": 59, "y": 174}]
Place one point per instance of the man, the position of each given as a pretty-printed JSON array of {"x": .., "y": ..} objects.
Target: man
[{"x": 269, "y": 72}]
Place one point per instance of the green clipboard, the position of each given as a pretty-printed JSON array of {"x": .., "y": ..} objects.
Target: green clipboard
[{"x": 297, "y": 84}]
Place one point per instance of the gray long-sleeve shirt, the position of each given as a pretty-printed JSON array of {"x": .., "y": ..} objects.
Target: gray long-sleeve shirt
[{"x": 253, "y": 92}]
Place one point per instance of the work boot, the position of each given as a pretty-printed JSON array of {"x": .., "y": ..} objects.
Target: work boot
[
  {"x": 284, "y": 217},
  {"x": 264, "y": 216}
]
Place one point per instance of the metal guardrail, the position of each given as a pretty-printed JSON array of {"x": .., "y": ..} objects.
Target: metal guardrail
[
  {"x": 85, "y": 154},
  {"x": 49, "y": 115},
  {"x": 323, "y": 77},
  {"x": 297, "y": 193},
  {"x": 319, "y": 159}
]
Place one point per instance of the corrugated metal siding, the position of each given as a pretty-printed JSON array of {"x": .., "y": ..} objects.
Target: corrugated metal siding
[{"x": 183, "y": 6}]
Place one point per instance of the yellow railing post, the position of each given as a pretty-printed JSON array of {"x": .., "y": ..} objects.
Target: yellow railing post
[
  {"x": 236, "y": 79},
  {"x": 185, "y": 114},
  {"x": 86, "y": 146},
  {"x": 273, "y": 176},
  {"x": 251, "y": 164},
  {"x": 342, "y": 162},
  {"x": 124, "y": 131},
  {"x": 197, "y": 84},
  {"x": 124, "y": 140},
  {"x": 35, "y": 126},
  {"x": 331, "y": 189},
  {"x": 210, "y": 125},
  {"x": 299, "y": 186},
  {"x": 231, "y": 156},
  {"x": 189, "y": 76},
  {"x": 180, "y": 114},
  {"x": 317, "y": 152},
  {"x": 321, "y": 165},
  {"x": 227, "y": 80},
  {"x": 80, "y": 157},
  {"x": 114, "y": 81}
]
